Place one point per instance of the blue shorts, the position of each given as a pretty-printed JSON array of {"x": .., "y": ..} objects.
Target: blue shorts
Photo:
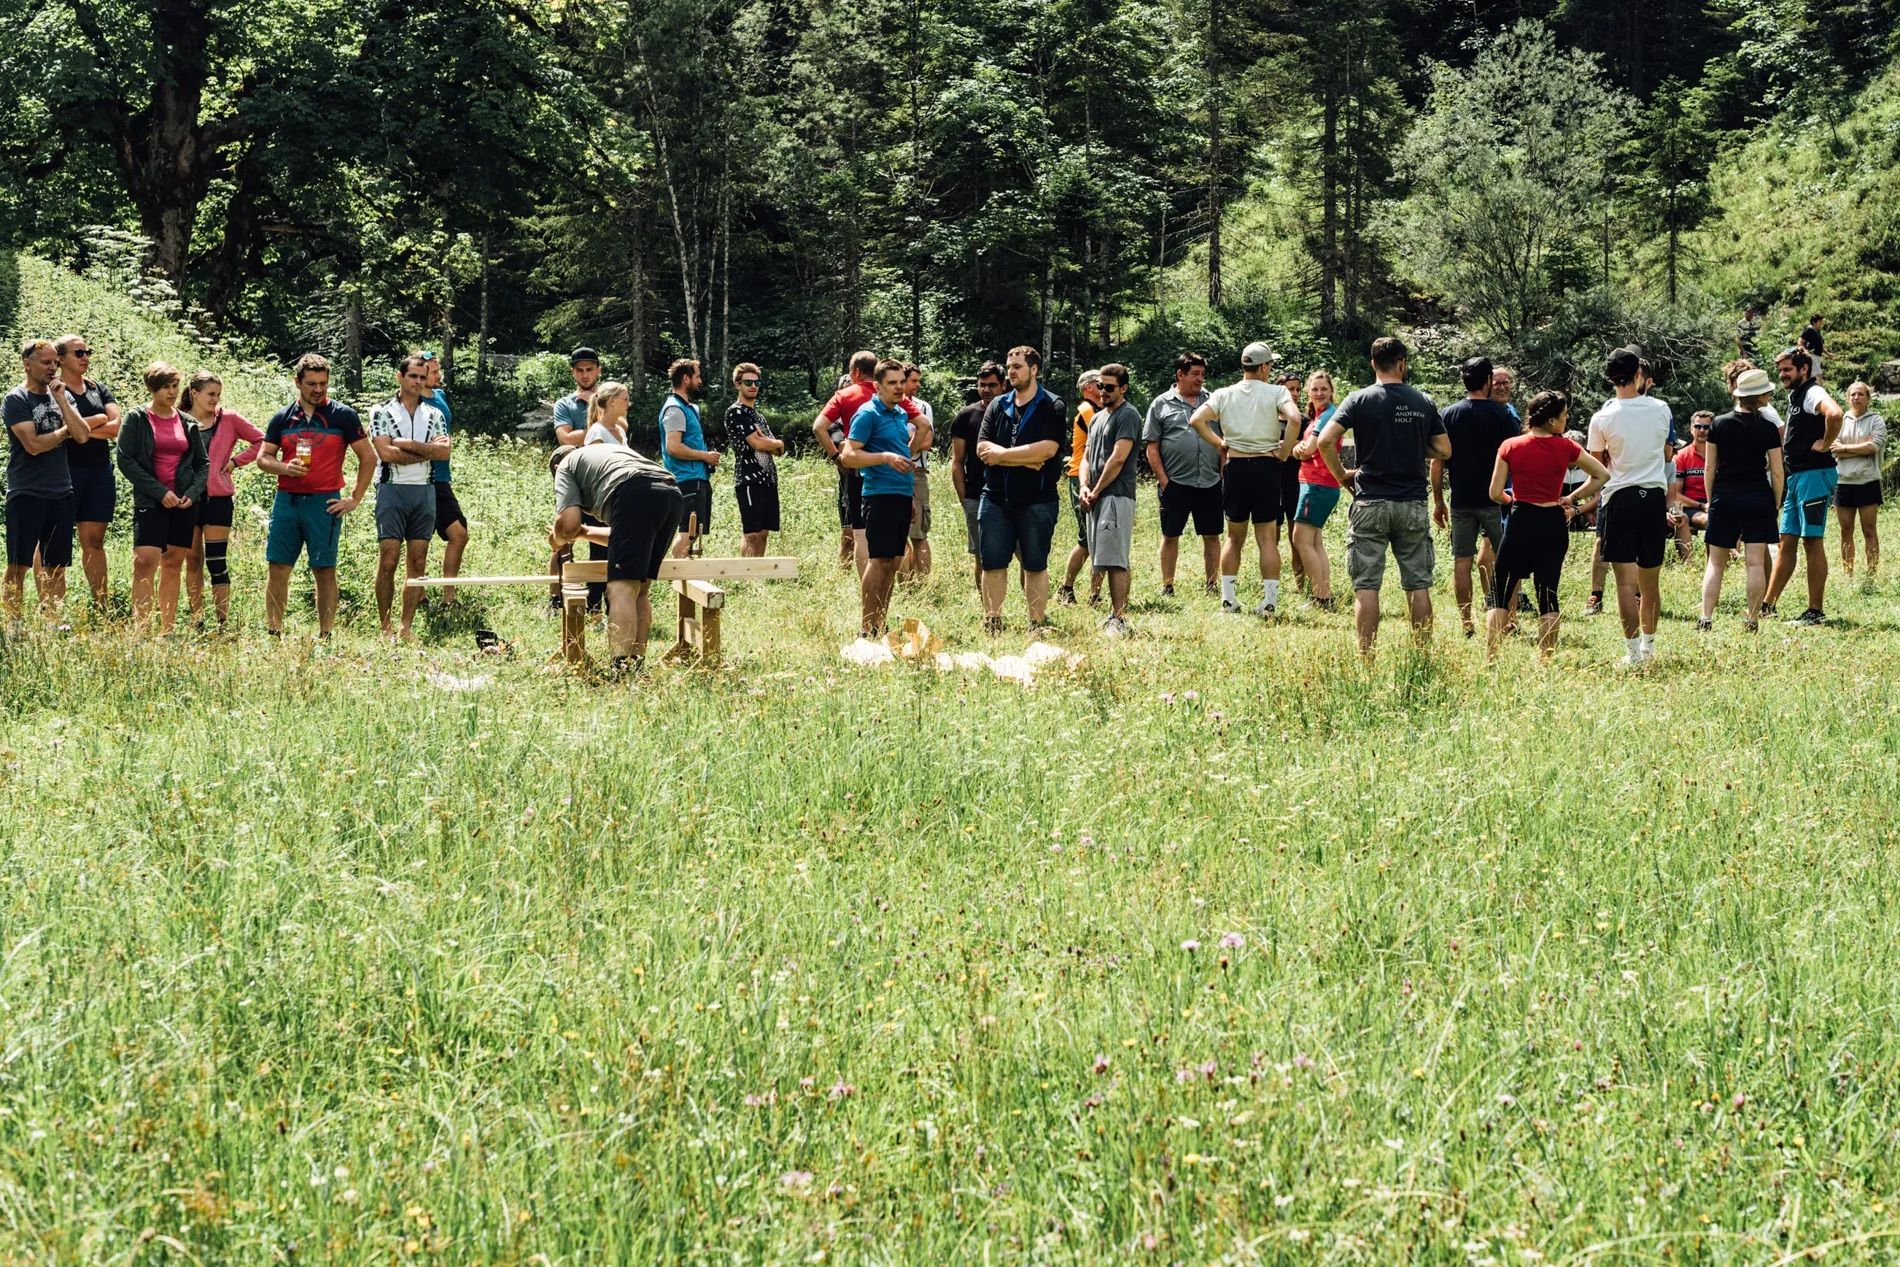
[
  {"x": 1316, "y": 504},
  {"x": 95, "y": 494},
  {"x": 1804, "y": 508},
  {"x": 302, "y": 523},
  {"x": 1006, "y": 532}
]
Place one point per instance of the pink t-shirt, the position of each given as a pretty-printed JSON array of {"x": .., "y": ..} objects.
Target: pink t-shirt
[
  {"x": 221, "y": 438},
  {"x": 169, "y": 446}
]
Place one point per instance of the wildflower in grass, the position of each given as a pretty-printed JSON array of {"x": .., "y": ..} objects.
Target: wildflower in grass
[
  {"x": 807, "y": 1084},
  {"x": 1209, "y": 1069},
  {"x": 1190, "y": 945},
  {"x": 761, "y": 1100},
  {"x": 795, "y": 1180},
  {"x": 1101, "y": 1063},
  {"x": 1093, "y": 1102},
  {"x": 842, "y": 1090},
  {"x": 1184, "y": 1074},
  {"x": 1232, "y": 941},
  {"x": 1738, "y": 1101},
  {"x": 1085, "y": 841},
  {"x": 1302, "y": 1061},
  {"x": 1506, "y": 1099}
]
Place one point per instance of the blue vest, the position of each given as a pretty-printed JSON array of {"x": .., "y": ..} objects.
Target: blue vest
[{"x": 694, "y": 437}]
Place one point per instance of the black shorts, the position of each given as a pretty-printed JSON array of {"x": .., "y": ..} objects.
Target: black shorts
[
  {"x": 215, "y": 512},
  {"x": 1180, "y": 502},
  {"x": 448, "y": 510},
  {"x": 887, "y": 525},
  {"x": 1289, "y": 488},
  {"x": 1854, "y": 496},
  {"x": 850, "y": 498},
  {"x": 697, "y": 494},
  {"x": 647, "y": 511},
  {"x": 156, "y": 528},
  {"x": 758, "y": 508},
  {"x": 1634, "y": 524},
  {"x": 1533, "y": 549},
  {"x": 42, "y": 524},
  {"x": 1742, "y": 518},
  {"x": 95, "y": 494},
  {"x": 1253, "y": 488}
]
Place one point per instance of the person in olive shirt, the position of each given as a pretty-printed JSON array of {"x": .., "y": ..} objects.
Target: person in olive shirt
[
  {"x": 1187, "y": 472},
  {"x": 1020, "y": 444},
  {"x": 966, "y": 469},
  {"x": 95, "y": 490},
  {"x": 639, "y": 508}
]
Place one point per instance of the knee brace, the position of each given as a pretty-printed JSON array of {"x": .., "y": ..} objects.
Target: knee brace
[{"x": 214, "y": 562}]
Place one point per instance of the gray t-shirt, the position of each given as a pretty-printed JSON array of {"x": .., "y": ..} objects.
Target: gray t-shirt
[
  {"x": 1107, "y": 427},
  {"x": 38, "y": 475},
  {"x": 1186, "y": 457},
  {"x": 589, "y": 477}
]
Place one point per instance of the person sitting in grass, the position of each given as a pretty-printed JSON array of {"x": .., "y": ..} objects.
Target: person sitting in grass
[
  {"x": 878, "y": 443},
  {"x": 639, "y": 508},
  {"x": 162, "y": 456}
]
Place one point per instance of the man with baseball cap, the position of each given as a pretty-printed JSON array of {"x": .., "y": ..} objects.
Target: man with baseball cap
[
  {"x": 1630, "y": 435},
  {"x": 1814, "y": 423},
  {"x": 570, "y": 428},
  {"x": 1259, "y": 423}
]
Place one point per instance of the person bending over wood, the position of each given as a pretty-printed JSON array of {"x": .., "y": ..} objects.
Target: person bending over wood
[{"x": 640, "y": 506}]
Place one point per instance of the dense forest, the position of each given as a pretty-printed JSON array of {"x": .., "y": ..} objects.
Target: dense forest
[{"x": 786, "y": 180}]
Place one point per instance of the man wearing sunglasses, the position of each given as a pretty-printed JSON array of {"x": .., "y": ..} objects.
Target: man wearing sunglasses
[
  {"x": 754, "y": 469},
  {"x": 1691, "y": 489},
  {"x": 95, "y": 488}
]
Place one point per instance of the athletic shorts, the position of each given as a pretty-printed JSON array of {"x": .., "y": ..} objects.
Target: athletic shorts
[
  {"x": 970, "y": 530},
  {"x": 1250, "y": 489},
  {"x": 1290, "y": 487},
  {"x": 1467, "y": 525},
  {"x": 1533, "y": 550},
  {"x": 301, "y": 523},
  {"x": 1634, "y": 525},
  {"x": 648, "y": 511},
  {"x": 405, "y": 512},
  {"x": 850, "y": 498},
  {"x": 42, "y": 524},
  {"x": 886, "y": 525},
  {"x": 216, "y": 512},
  {"x": 1804, "y": 507},
  {"x": 156, "y": 528},
  {"x": 1112, "y": 532},
  {"x": 448, "y": 510},
  {"x": 697, "y": 495},
  {"x": 1316, "y": 504},
  {"x": 1015, "y": 532},
  {"x": 1741, "y": 518},
  {"x": 95, "y": 494},
  {"x": 1180, "y": 502},
  {"x": 920, "y": 522},
  {"x": 1405, "y": 528},
  {"x": 1855, "y": 496},
  {"x": 758, "y": 508},
  {"x": 1081, "y": 516}
]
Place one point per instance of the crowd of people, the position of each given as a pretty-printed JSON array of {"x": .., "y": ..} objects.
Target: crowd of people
[{"x": 1236, "y": 462}]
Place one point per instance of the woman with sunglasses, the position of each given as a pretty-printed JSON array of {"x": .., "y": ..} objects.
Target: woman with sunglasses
[
  {"x": 210, "y": 543},
  {"x": 162, "y": 455},
  {"x": 754, "y": 471}
]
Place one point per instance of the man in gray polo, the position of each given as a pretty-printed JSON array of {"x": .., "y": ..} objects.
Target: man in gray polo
[
  {"x": 1107, "y": 491},
  {"x": 1186, "y": 471},
  {"x": 408, "y": 433}
]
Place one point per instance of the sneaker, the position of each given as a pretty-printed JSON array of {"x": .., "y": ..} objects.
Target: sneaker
[
  {"x": 1167, "y": 591},
  {"x": 1037, "y": 628},
  {"x": 1768, "y": 610},
  {"x": 1266, "y": 610},
  {"x": 992, "y": 625},
  {"x": 1595, "y": 606},
  {"x": 1230, "y": 607},
  {"x": 1326, "y": 604},
  {"x": 1631, "y": 660},
  {"x": 1812, "y": 616},
  {"x": 1470, "y": 630},
  {"x": 1704, "y": 626},
  {"x": 1211, "y": 587},
  {"x": 1750, "y": 626},
  {"x": 1114, "y": 627},
  {"x": 1095, "y": 599},
  {"x": 1066, "y": 595},
  {"x": 1524, "y": 604}
]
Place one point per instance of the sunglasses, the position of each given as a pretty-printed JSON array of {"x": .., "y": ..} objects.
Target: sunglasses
[
  {"x": 425, "y": 356},
  {"x": 1700, "y": 426},
  {"x": 748, "y": 382},
  {"x": 80, "y": 352}
]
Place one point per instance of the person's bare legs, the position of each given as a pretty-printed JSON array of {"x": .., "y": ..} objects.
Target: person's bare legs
[
  {"x": 1365, "y": 619},
  {"x": 418, "y": 567},
  {"x": 1078, "y": 556},
  {"x": 1233, "y": 547},
  {"x": 195, "y": 574},
  {"x": 388, "y": 555},
  {"x": 1712, "y": 580},
  {"x": 1210, "y": 558},
  {"x": 1266, "y": 539},
  {"x": 144, "y": 571},
  {"x": 1598, "y": 568},
  {"x": 860, "y": 552},
  {"x": 1628, "y": 600},
  {"x": 994, "y": 584},
  {"x": 454, "y": 541},
  {"x": 1755, "y": 572},
  {"x": 921, "y": 551},
  {"x": 1494, "y": 622},
  {"x": 92, "y": 557},
  {"x": 325, "y": 579},
  {"x": 1870, "y": 529},
  {"x": 1816, "y": 550},
  {"x": 52, "y": 588},
  {"x": 171, "y": 572},
  {"x": 1845, "y": 517},
  {"x": 1117, "y": 591},
  {"x": 752, "y": 546},
  {"x": 874, "y": 596},
  {"x": 276, "y": 596},
  {"x": 625, "y": 637},
  {"x": 1170, "y": 556},
  {"x": 1418, "y": 605},
  {"x": 1461, "y": 591},
  {"x": 1547, "y": 627},
  {"x": 1036, "y": 595},
  {"x": 1784, "y": 567},
  {"x": 1309, "y": 543},
  {"x": 220, "y": 594}
]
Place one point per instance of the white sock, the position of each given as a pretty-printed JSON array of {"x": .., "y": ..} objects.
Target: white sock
[
  {"x": 1227, "y": 584},
  {"x": 1648, "y": 641},
  {"x": 1635, "y": 645},
  {"x": 1273, "y": 593}
]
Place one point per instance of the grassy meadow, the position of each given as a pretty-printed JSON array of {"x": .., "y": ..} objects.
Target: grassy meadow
[{"x": 1218, "y": 947}]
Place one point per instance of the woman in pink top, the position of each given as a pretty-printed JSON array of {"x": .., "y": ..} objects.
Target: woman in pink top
[
  {"x": 222, "y": 430},
  {"x": 162, "y": 455}
]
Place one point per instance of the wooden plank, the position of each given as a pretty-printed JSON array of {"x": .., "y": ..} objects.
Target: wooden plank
[
  {"x": 438, "y": 582},
  {"x": 709, "y": 596},
  {"x": 574, "y": 624},
  {"x": 768, "y": 569}
]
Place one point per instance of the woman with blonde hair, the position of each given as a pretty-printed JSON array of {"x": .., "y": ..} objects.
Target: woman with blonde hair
[
  {"x": 1319, "y": 492},
  {"x": 607, "y": 415},
  {"x": 1859, "y": 451},
  {"x": 162, "y": 455},
  {"x": 203, "y": 401}
]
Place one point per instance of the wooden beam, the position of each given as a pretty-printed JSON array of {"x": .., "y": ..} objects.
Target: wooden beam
[
  {"x": 707, "y": 595},
  {"x": 770, "y": 569}
]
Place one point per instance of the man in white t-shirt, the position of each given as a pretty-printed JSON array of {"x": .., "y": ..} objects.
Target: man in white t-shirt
[
  {"x": 408, "y": 434},
  {"x": 1630, "y": 435},
  {"x": 1259, "y": 424}
]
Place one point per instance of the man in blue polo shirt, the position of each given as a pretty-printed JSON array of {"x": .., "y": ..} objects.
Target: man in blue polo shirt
[
  {"x": 1019, "y": 442},
  {"x": 304, "y": 447},
  {"x": 879, "y": 443},
  {"x": 683, "y": 450}
]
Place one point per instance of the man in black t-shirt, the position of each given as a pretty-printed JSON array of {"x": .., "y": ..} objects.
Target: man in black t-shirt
[
  {"x": 754, "y": 466},
  {"x": 966, "y": 469},
  {"x": 95, "y": 491},
  {"x": 1814, "y": 343},
  {"x": 1476, "y": 427}
]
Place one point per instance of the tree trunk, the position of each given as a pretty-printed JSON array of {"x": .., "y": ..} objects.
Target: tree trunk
[
  {"x": 1215, "y": 159},
  {"x": 353, "y": 339},
  {"x": 481, "y": 339},
  {"x": 1048, "y": 309},
  {"x": 637, "y": 303},
  {"x": 1329, "y": 209},
  {"x": 447, "y": 327}
]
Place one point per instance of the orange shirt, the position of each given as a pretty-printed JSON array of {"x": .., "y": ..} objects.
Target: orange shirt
[{"x": 1083, "y": 414}]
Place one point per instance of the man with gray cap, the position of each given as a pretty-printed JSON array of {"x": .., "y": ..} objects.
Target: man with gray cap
[
  {"x": 1187, "y": 472},
  {"x": 639, "y": 508},
  {"x": 1259, "y": 423}
]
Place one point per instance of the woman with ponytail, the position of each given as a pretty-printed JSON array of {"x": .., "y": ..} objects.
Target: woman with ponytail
[
  {"x": 607, "y": 415},
  {"x": 1537, "y": 535},
  {"x": 222, "y": 429},
  {"x": 1319, "y": 492}
]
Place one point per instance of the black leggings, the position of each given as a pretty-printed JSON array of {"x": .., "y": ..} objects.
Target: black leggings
[{"x": 1535, "y": 542}]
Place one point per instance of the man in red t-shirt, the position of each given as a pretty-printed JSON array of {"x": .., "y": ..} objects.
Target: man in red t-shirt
[
  {"x": 1691, "y": 493},
  {"x": 829, "y": 427}
]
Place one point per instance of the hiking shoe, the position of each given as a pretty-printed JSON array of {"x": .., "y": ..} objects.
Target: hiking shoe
[
  {"x": 1167, "y": 591},
  {"x": 1768, "y": 610},
  {"x": 1066, "y": 595},
  {"x": 1231, "y": 607},
  {"x": 1095, "y": 599},
  {"x": 1704, "y": 626},
  {"x": 1211, "y": 587},
  {"x": 992, "y": 625},
  {"x": 1471, "y": 630},
  {"x": 1115, "y": 627},
  {"x": 1812, "y": 616},
  {"x": 1039, "y": 627},
  {"x": 1524, "y": 604},
  {"x": 1266, "y": 610},
  {"x": 1751, "y": 626},
  {"x": 1595, "y": 606},
  {"x": 1326, "y": 604}
]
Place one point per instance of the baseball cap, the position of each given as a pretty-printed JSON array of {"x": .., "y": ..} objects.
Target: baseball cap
[
  {"x": 1624, "y": 362},
  {"x": 583, "y": 354},
  {"x": 1254, "y": 355}
]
